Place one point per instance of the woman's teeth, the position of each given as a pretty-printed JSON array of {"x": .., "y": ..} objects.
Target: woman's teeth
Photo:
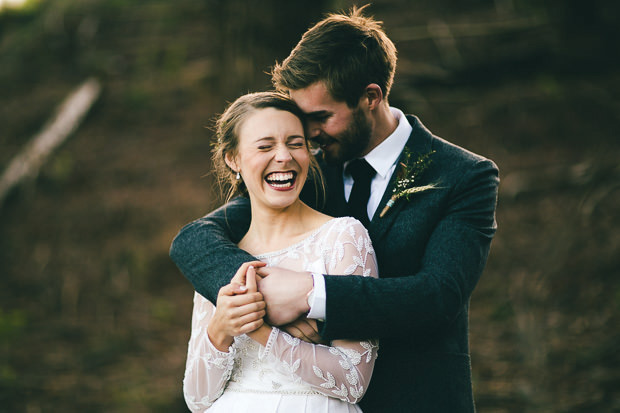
[{"x": 280, "y": 179}]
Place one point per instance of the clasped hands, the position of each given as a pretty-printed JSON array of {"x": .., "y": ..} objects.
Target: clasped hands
[{"x": 260, "y": 296}]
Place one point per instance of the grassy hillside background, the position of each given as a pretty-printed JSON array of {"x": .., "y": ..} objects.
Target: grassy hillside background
[{"x": 93, "y": 314}]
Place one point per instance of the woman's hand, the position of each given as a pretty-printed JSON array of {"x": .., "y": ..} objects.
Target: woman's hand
[
  {"x": 263, "y": 331},
  {"x": 240, "y": 308},
  {"x": 240, "y": 278}
]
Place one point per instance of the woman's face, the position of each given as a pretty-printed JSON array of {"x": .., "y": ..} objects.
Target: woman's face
[{"x": 272, "y": 157}]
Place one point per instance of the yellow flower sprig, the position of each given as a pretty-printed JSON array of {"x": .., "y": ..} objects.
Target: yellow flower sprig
[{"x": 407, "y": 176}]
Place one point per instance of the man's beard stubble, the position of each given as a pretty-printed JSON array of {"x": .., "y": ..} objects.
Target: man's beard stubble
[{"x": 352, "y": 142}]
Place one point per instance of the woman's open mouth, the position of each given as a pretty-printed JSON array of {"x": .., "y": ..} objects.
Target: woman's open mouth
[{"x": 281, "y": 180}]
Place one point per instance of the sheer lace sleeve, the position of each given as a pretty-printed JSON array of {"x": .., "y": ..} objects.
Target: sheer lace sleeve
[
  {"x": 207, "y": 369},
  {"x": 343, "y": 369}
]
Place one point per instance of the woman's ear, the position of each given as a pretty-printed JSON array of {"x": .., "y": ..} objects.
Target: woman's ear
[{"x": 231, "y": 162}]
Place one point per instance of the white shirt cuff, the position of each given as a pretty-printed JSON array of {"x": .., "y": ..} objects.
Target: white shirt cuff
[{"x": 317, "y": 306}]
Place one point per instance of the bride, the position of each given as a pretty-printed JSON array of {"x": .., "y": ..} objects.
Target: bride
[{"x": 236, "y": 362}]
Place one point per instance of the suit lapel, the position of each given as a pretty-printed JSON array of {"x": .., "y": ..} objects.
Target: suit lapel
[{"x": 419, "y": 143}]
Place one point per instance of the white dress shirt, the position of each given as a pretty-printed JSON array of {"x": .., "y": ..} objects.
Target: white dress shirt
[{"x": 383, "y": 158}]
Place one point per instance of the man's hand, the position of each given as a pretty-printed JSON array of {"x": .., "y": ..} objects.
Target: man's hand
[
  {"x": 304, "y": 329},
  {"x": 285, "y": 293}
]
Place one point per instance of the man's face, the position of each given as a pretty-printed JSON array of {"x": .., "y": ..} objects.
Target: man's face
[{"x": 341, "y": 132}]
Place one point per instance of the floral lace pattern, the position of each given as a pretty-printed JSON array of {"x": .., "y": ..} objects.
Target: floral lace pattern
[{"x": 287, "y": 365}]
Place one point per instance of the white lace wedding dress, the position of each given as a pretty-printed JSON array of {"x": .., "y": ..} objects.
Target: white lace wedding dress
[{"x": 287, "y": 375}]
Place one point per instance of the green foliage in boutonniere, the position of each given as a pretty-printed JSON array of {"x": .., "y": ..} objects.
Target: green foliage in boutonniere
[{"x": 409, "y": 172}]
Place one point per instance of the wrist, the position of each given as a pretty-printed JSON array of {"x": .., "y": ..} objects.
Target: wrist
[
  {"x": 310, "y": 299},
  {"x": 261, "y": 334},
  {"x": 308, "y": 294},
  {"x": 220, "y": 340}
]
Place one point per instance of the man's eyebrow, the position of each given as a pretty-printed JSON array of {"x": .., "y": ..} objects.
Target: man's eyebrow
[{"x": 318, "y": 114}]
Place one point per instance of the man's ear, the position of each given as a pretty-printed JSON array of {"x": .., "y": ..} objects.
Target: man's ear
[
  {"x": 374, "y": 95},
  {"x": 231, "y": 162}
]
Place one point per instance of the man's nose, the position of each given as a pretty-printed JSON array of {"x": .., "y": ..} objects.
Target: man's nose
[{"x": 313, "y": 129}]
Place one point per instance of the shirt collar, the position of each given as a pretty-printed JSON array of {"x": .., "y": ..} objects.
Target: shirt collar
[{"x": 386, "y": 154}]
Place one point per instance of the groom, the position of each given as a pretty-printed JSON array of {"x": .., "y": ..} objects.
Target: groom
[{"x": 431, "y": 246}]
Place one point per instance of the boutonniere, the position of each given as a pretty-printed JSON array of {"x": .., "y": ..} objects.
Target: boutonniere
[{"x": 409, "y": 173}]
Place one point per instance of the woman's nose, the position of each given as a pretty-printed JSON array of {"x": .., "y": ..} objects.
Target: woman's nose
[{"x": 283, "y": 154}]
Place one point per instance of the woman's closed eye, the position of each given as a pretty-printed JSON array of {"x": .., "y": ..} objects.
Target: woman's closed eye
[
  {"x": 293, "y": 142},
  {"x": 296, "y": 145},
  {"x": 296, "y": 142}
]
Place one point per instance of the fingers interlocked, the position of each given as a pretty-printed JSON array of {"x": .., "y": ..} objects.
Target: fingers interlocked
[{"x": 240, "y": 307}]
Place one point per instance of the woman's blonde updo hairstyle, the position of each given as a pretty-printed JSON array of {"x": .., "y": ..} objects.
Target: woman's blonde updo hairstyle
[{"x": 227, "y": 128}]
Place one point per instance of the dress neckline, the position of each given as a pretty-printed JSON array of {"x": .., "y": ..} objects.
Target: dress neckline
[{"x": 298, "y": 243}]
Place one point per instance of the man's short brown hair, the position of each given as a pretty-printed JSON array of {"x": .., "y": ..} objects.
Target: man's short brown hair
[{"x": 346, "y": 51}]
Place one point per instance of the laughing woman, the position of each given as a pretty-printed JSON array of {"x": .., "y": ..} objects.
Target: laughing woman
[{"x": 236, "y": 362}]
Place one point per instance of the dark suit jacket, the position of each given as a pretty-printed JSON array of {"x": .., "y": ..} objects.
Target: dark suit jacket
[{"x": 431, "y": 252}]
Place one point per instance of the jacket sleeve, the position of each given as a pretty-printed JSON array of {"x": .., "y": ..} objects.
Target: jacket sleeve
[
  {"x": 206, "y": 250},
  {"x": 434, "y": 296}
]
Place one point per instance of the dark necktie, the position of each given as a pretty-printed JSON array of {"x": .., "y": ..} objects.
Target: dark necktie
[{"x": 362, "y": 174}]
